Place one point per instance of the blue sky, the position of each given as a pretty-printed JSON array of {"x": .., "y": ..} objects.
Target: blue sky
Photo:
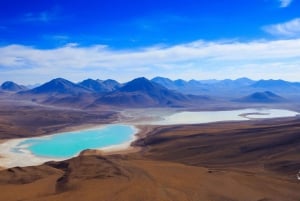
[{"x": 190, "y": 39}]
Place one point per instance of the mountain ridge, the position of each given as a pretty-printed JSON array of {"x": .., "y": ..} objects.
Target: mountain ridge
[
  {"x": 142, "y": 92},
  {"x": 59, "y": 86},
  {"x": 158, "y": 92}
]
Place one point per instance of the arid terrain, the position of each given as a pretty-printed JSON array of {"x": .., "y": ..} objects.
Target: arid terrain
[
  {"x": 253, "y": 160},
  {"x": 19, "y": 120}
]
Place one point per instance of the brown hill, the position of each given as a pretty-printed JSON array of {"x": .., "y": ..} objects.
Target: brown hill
[
  {"x": 271, "y": 145},
  {"x": 128, "y": 179}
]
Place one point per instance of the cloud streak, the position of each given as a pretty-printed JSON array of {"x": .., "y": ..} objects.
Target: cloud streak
[
  {"x": 199, "y": 60},
  {"x": 285, "y": 3},
  {"x": 45, "y": 16},
  {"x": 37, "y": 17},
  {"x": 286, "y": 29}
]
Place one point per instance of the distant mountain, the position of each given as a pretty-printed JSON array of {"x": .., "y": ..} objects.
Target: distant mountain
[
  {"x": 111, "y": 85},
  {"x": 141, "y": 92},
  {"x": 209, "y": 87},
  {"x": 60, "y": 92},
  {"x": 59, "y": 86},
  {"x": 11, "y": 86},
  {"x": 209, "y": 81},
  {"x": 278, "y": 86},
  {"x": 262, "y": 97},
  {"x": 100, "y": 86},
  {"x": 166, "y": 82},
  {"x": 186, "y": 87},
  {"x": 244, "y": 81},
  {"x": 194, "y": 83},
  {"x": 94, "y": 85},
  {"x": 142, "y": 85},
  {"x": 159, "y": 92},
  {"x": 232, "y": 84},
  {"x": 181, "y": 83},
  {"x": 272, "y": 84}
]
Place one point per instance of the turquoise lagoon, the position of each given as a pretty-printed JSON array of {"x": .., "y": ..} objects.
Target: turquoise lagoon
[
  {"x": 69, "y": 144},
  {"x": 65, "y": 145}
]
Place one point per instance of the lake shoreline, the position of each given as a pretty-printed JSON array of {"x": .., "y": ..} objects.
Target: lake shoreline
[
  {"x": 141, "y": 130},
  {"x": 10, "y": 158}
]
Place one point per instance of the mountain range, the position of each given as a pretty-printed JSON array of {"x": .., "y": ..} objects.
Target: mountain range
[
  {"x": 227, "y": 87},
  {"x": 139, "y": 92},
  {"x": 143, "y": 92},
  {"x": 158, "y": 92}
]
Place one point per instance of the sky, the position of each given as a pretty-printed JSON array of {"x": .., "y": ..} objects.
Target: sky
[{"x": 125, "y": 39}]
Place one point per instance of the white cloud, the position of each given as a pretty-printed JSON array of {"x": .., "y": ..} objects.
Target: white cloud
[
  {"x": 287, "y": 29},
  {"x": 198, "y": 60},
  {"x": 285, "y": 3}
]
